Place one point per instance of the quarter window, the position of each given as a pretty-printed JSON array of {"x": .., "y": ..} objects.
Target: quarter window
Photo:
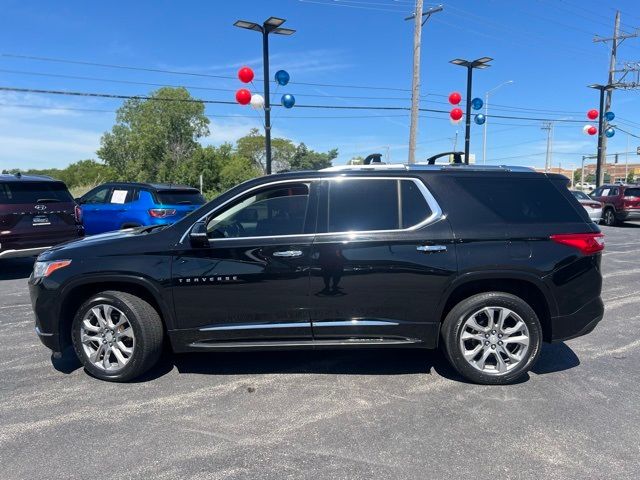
[
  {"x": 372, "y": 204},
  {"x": 278, "y": 210}
]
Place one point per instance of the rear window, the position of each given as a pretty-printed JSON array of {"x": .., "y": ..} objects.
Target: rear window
[
  {"x": 34, "y": 192},
  {"x": 180, "y": 197},
  {"x": 632, "y": 192},
  {"x": 530, "y": 200}
]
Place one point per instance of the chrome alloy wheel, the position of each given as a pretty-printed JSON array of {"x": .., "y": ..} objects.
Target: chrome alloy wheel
[
  {"x": 107, "y": 337},
  {"x": 494, "y": 340}
]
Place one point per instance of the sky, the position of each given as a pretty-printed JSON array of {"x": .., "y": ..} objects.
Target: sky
[{"x": 345, "y": 53}]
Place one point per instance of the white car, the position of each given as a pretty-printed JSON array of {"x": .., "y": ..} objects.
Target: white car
[{"x": 593, "y": 207}]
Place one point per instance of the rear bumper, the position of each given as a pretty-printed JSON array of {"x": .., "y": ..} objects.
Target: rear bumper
[
  {"x": 595, "y": 215},
  {"x": 23, "y": 252},
  {"x": 579, "y": 323},
  {"x": 629, "y": 214}
]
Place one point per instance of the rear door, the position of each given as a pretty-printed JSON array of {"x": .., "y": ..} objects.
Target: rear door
[
  {"x": 35, "y": 214},
  {"x": 380, "y": 262}
]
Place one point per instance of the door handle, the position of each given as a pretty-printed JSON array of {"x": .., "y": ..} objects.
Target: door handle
[
  {"x": 288, "y": 253},
  {"x": 431, "y": 248}
]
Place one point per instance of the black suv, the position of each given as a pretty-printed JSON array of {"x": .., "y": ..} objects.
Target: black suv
[{"x": 488, "y": 262}]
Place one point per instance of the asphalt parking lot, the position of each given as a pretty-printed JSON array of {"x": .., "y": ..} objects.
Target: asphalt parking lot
[{"x": 381, "y": 414}]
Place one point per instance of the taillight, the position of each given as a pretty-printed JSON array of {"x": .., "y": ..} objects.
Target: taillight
[
  {"x": 77, "y": 211},
  {"x": 587, "y": 243},
  {"x": 162, "y": 212},
  {"x": 595, "y": 205}
]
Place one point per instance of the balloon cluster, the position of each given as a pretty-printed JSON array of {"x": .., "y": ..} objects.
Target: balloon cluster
[
  {"x": 456, "y": 113},
  {"x": 589, "y": 129},
  {"x": 244, "y": 96}
]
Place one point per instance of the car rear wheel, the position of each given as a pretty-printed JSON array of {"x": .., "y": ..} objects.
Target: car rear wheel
[
  {"x": 609, "y": 217},
  {"x": 117, "y": 336},
  {"x": 492, "y": 338}
]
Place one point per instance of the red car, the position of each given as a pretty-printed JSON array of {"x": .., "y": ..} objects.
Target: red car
[
  {"x": 620, "y": 203},
  {"x": 36, "y": 212}
]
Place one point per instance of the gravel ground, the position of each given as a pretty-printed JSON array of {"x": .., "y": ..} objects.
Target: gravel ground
[{"x": 362, "y": 414}]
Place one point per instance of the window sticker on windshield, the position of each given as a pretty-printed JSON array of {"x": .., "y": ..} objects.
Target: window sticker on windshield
[{"x": 118, "y": 196}]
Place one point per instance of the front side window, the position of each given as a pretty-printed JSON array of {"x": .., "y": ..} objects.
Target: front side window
[
  {"x": 373, "y": 204},
  {"x": 613, "y": 192},
  {"x": 273, "y": 211},
  {"x": 97, "y": 196}
]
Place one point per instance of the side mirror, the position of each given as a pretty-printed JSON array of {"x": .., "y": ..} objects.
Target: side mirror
[
  {"x": 78, "y": 200},
  {"x": 198, "y": 235}
]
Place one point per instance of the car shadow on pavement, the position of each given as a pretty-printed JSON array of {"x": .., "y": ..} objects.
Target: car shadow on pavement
[
  {"x": 16, "y": 268},
  {"x": 553, "y": 358}
]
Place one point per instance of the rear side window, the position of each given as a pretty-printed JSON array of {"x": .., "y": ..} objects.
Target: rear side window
[
  {"x": 632, "y": 192},
  {"x": 521, "y": 200},
  {"x": 180, "y": 197},
  {"x": 371, "y": 204},
  {"x": 34, "y": 192}
]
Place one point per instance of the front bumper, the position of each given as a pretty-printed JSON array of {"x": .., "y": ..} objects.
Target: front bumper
[
  {"x": 45, "y": 307},
  {"x": 579, "y": 323}
]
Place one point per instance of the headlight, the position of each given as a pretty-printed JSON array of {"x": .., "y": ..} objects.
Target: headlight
[{"x": 44, "y": 269}]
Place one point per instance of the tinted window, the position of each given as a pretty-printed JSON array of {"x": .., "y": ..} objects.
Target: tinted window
[
  {"x": 632, "y": 192},
  {"x": 99, "y": 195},
  {"x": 34, "y": 192},
  {"x": 279, "y": 210},
  {"x": 534, "y": 200},
  {"x": 581, "y": 195},
  {"x": 364, "y": 205},
  {"x": 180, "y": 197},
  {"x": 613, "y": 192}
]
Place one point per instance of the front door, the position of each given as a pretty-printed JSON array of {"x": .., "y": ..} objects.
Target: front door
[
  {"x": 381, "y": 260},
  {"x": 252, "y": 283}
]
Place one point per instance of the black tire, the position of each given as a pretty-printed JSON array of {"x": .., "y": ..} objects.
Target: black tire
[
  {"x": 609, "y": 217},
  {"x": 147, "y": 328},
  {"x": 452, "y": 329}
]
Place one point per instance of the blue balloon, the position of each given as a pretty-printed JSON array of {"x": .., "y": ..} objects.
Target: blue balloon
[
  {"x": 477, "y": 103},
  {"x": 609, "y": 116},
  {"x": 610, "y": 132},
  {"x": 480, "y": 119},
  {"x": 282, "y": 77},
  {"x": 288, "y": 100}
]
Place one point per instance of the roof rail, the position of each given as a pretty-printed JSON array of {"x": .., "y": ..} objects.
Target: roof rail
[{"x": 371, "y": 166}]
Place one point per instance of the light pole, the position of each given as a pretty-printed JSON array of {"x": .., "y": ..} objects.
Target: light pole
[
  {"x": 486, "y": 118},
  {"x": 600, "y": 160},
  {"x": 470, "y": 65},
  {"x": 270, "y": 25}
]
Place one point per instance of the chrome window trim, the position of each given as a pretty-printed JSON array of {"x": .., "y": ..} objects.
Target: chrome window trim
[{"x": 436, "y": 211}]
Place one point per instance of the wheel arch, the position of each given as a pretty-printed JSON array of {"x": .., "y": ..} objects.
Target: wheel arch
[
  {"x": 76, "y": 293},
  {"x": 528, "y": 287}
]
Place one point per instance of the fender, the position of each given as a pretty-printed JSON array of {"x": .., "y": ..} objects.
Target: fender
[
  {"x": 468, "y": 277},
  {"x": 153, "y": 287}
]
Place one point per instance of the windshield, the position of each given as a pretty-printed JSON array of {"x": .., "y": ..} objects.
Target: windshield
[
  {"x": 34, "y": 192},
  {"x": 180, "y": 197},
  {"x": 581, "y": 195}
]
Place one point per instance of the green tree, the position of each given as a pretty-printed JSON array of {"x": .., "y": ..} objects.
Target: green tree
[
  {"x": 305, "y": 159},
  {"x": 252, "y": 148},
  {"x": 153, "y": 137}
]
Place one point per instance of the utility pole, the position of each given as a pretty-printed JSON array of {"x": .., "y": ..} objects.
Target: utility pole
[
  {"x": 616, "y": 40},
  {"x": 420, "y": 18},
  {"x": 548, "y": 126}
]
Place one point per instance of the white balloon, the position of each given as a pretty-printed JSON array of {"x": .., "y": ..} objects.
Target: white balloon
[
  {"x": 585, "y": 128},
  {"x": 257, "y": 101}
]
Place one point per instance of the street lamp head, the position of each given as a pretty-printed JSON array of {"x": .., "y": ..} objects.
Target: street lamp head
[
  {"x": 483, "y": 60},
  {"x": 248, "y": 25},
  {"x": 460, "y": 61},
  {"x": 283, "y": 31},
  {"x": 481, "y": 66},
  {"x": 274, "y": 22}
]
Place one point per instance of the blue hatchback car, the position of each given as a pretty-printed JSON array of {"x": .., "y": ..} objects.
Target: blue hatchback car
[{"x": 118, "y": 205}]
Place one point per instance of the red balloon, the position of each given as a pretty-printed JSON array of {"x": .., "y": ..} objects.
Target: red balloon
[
  {"x": 592, "y": 114},
  {"x": 454, "y": 98},
  {"x": 243, "y": 96},
  {"x": 455, "y": 114},
  {"x": 245, "y": 74},
  {"x": 592, "y": 130}
]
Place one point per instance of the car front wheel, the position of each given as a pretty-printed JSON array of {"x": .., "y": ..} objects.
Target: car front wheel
[
  {"x": 492, "y": 338},
  {"x": 117, "y": 336}
]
